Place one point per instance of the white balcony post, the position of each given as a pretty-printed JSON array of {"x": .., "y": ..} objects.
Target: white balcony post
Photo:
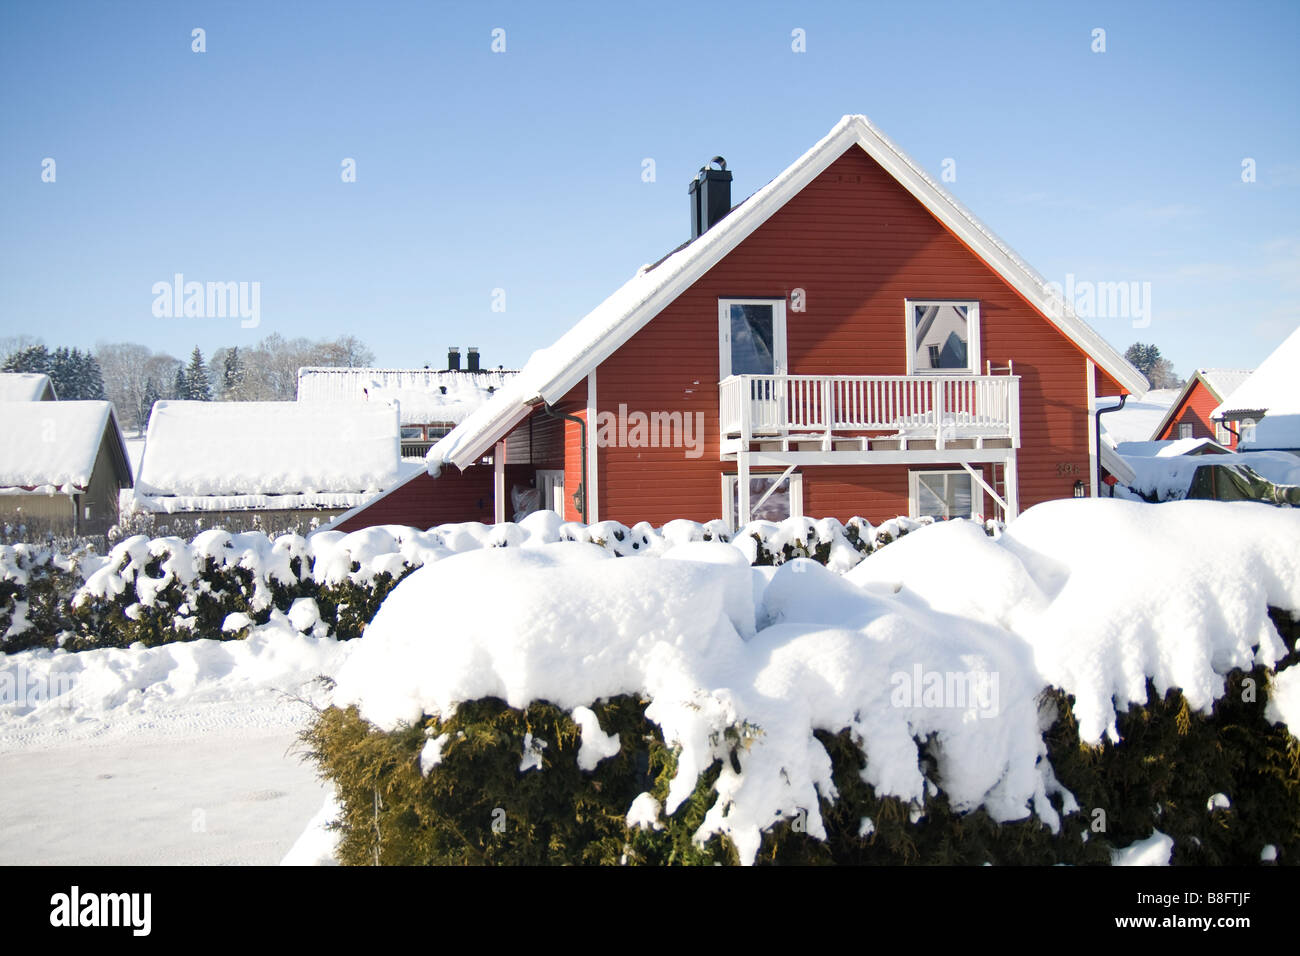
[
  {"x": 828, "y": 409},
  {"x": 1013, "y": 412},
  {"x": 746, "y": 410},
  {"x": 936, "y": 409}
]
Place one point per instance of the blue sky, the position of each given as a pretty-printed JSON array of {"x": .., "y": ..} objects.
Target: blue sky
[{"x": 522, "y": 170}]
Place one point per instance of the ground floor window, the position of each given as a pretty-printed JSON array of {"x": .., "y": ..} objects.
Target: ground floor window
[
  {"x": 766, "y": 503},
  {"x": 942, "y": 494}
]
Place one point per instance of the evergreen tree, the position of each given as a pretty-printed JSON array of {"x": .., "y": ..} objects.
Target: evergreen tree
[
  {"x": 232, "y": 376},
  {"x": 198, "y": 387},
  {"x": 180, "y": 388},
  {"x": 35, "y": 358},
  {"x": 151, "y": 396}
]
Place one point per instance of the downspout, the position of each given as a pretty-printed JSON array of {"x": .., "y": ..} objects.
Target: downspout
[
  {"x": 579, "y": 496},
  {"x": 1099, "y": 413}
]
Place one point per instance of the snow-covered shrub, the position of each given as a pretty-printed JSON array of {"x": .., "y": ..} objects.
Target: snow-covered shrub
[
  {"x": 801, "y": 699},
  {"x": 36, "y": 584}
]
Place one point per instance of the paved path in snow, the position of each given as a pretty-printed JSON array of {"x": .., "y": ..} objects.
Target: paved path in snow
[{"x": 167, "y": 795}]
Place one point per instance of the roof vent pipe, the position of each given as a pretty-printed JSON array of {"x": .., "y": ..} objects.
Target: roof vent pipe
[
  {"x": 471, "y": 359},
  {"x": 453, "y": 359}
]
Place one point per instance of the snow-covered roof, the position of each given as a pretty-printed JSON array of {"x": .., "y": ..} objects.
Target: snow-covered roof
[
  {"x": 424, "y": 396},
  {"x": 551, "y": 372},
  {"x": 26, "y": 387},
  {"x": 1220, "y": 381},
  {"x": 1114, "y": 462},
  {"x": 1279, "y": 430},
  {"x": 256, "y": 451},
  {"x": 51, "y": 447},
  {"x": 1274, "y": 386},
  {"x": 1137, "y": 420},
  {"x": 1171, "y": 448}
]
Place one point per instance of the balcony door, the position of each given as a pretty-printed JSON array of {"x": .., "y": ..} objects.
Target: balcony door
[{"x": 751, "y": 341}]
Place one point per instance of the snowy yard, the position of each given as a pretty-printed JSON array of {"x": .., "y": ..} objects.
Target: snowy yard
[{"x": 185, "y": 752}]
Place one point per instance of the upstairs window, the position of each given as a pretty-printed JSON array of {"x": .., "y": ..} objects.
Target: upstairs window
[
  {"x": 942, "y": 336},
  {"x": 1185, "y": 430}
]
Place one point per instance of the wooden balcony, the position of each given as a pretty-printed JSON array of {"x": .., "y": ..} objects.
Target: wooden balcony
[{"x": 845, "y": 419}]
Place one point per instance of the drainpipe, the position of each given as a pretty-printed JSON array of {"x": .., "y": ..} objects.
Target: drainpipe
[
  {"x": 579, "y": 496},
  {"x": 1099, "y": 413}
]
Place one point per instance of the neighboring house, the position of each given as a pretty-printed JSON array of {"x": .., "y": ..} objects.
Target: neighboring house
[
  {"x": 1189, "y": 415},
  {"x": 1272, "y": 392},
  {"x": 431, "y": 402},
  {"x": 781, "y": 363},
  {"x": 230, "y": 461},
  {"x": 26, "y": 387},
  {"x": 62, "y": 465}
]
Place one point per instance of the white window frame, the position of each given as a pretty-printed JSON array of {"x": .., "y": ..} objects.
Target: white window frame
[
  {"x": 914, "y": 489},
  {"x": 730, "y": 484},
  {"x": 1189, "y": 428},
  {"x": 724, "y": 333},
  {"x": 551, "y": 479},
  {"x": 1221, "y": 434},
  {"x": 972, "y": 341}
]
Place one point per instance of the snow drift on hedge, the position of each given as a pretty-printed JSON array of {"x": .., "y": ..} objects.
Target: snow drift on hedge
[
  {"x": 943, "y": 640},
  {"x": 1110, "y": 593},
  {"x": 567, "y": 624}
]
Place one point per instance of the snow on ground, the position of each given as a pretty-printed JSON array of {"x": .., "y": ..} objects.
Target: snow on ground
[
  {"x": 184, "y": 753},
  {"x": 1138, "y": 419}
]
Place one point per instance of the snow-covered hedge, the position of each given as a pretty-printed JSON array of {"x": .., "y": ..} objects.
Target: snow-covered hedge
[
  {"x": 1034, "y": 690},
  {"x": 223, "y": 585}
]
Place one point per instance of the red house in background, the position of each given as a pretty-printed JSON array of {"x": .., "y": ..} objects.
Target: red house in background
[
  {"x": 1189, "y": 415},
  {"x": 849, "y": 340}
]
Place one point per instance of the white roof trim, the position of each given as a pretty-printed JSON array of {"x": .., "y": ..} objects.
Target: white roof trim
[{"x": 552, "y": 372}]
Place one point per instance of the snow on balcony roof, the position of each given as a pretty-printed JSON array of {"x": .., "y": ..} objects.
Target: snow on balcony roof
[
  {"x": 1274, "y": 385},
  {"x": 269, "y": 449},
  {"x": 52, "y": 446},
  {"x": 424, "y": 396},
  {"x": 24, "y": 386},
  {"x": 551, "y": 372}
]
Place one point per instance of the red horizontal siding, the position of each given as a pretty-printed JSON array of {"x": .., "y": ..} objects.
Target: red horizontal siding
[
  {"x": 858, "y": 244},
  {"x": 1194, "y": 410},
  {"x": 425, "y": 501}
]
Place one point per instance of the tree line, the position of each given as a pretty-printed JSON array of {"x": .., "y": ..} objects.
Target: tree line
[{"x": 133, "y": 376}]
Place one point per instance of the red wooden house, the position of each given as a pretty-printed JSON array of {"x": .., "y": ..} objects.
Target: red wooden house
[
  {"x": 849, "y": 340},
  {"x": 1189, "y": 415}
]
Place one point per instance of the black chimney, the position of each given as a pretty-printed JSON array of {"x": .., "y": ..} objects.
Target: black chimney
[
  {"x": 453, "y": 359},
  {"x": 710, "y": 197},
  {"x": 471, "y": 359}
]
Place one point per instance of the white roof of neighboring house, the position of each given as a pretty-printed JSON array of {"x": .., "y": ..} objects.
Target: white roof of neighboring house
[
  {"x": 52, "y": 446},
  {"x": 1137, "y": 420},
  {"x": 425, "y": 396},
  {"x": 1277, "y": 430},
  {"x": 26, "y": 387},
  {"x": 551, "y": 372},
  {"x": 1170, "y": 449},
  {"x": 1275, "y": 385},
  {"x": 227, "y": 455}
]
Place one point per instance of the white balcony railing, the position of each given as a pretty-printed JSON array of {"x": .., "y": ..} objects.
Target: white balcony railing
[{"x": 938, "y": 407}]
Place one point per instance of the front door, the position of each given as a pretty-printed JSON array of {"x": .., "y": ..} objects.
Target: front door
[{"x": 751, "y": 341}]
